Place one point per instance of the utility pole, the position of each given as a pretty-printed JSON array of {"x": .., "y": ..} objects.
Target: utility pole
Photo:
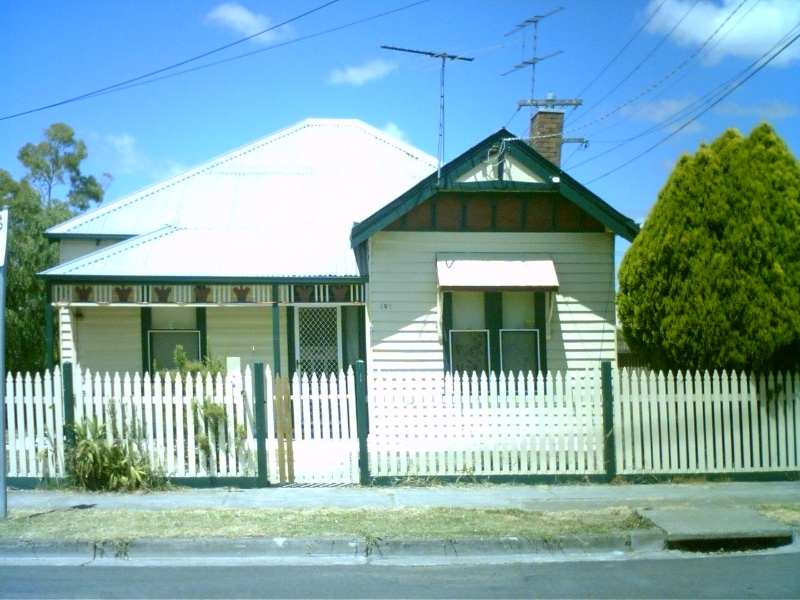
[{"x": 445, "y": 57}]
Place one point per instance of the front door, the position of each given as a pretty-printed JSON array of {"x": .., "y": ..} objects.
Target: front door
[{"x": 318, "y": 339}]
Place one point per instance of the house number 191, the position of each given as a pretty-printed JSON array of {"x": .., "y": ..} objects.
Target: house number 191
[{"x": 385, "y": 306}]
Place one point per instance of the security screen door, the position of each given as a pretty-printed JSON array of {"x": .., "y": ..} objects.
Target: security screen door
[{"x": 318, "y": 339}]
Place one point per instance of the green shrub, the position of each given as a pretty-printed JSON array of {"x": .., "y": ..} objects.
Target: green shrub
[{"x": 95, "y": 463}]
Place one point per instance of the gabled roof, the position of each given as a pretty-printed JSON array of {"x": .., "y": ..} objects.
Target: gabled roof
[
  {"x": 286, "y": 202},
  {"x": 456, "y": 175}
]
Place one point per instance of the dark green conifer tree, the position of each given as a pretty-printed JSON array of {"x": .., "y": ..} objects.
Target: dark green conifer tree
[{"x": 713, "y": 279}]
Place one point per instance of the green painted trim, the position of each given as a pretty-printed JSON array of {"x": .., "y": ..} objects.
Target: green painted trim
[
  {"x": 177, "y": 280},
  {"x": 145, "y": 324},
  {"x": 493, "y": 321},
  {"x": 291, "y": 350},
  {"x": 362, "y": 332},
  {"x": 201, "y": 323},
  {"x": 245, "y": 483},
  {"x": 498, "y": 479},
  {"x": 362, "y": 422},
  {"x": 68, "y": 395},
  {"x": 540, "y": 323},
  {"x": 276, "y": 334},
  {"x": 87, "y": 236},
  {"x": 609, "y": 442},
  {"x": 49, "y": 331},
  {"x": 259, "y": 401},
  {"x": 447, "y": 325}
]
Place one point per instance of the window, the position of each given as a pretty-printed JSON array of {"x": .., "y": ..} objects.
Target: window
[
  {"x": 519, "y": 350},
  {"x": 494, "y": 331},
  {"x": 469, "y": 350},
  {"x": 170, "y": 327},
  {"x": 163, "y": 343}
]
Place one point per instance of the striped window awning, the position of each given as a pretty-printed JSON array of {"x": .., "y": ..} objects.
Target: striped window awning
[{"x": 493, "y": 273}]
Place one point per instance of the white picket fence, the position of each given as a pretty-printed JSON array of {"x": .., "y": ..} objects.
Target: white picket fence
[
  {"x": 420, "y": 425},
  {"x": 486, "y": 425},
  {"x": 706, "y": 423}
]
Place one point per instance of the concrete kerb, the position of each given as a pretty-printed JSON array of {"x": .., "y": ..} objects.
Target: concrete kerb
[{"x": 340, "y": 549}]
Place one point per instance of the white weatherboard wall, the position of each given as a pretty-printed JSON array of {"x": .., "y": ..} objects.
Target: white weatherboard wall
[
  {"x": 236, "y": 331},
  {"x": 72, "y": 249},
  {"x": 404, "y": 332},
  {"x": 109, "y": 339}
]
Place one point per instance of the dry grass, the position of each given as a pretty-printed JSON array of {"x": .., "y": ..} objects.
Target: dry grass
[
  {"x": 785, "y": 513},
  {"x": 386, "y": 523}
]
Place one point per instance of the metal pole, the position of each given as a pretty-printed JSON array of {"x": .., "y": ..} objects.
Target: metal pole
[
  {"x": 3, "y": 488},
  {"x": 4, "y": 225}
]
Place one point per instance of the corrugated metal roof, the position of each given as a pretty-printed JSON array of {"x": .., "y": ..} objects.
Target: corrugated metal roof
[
  {"x": 202, "y": 253},
  {"x": 283, "y": 205}
]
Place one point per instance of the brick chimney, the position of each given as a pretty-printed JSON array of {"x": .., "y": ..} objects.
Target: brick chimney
[{"x": 547, "y": 132}]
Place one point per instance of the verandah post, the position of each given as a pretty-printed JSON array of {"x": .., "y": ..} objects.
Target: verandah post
[
  {"x": 362, "y": 422},
  {"x": 261, "y": 423},
  {"x": 69, "y": 402},
  {"x": 609, "y": 443}
]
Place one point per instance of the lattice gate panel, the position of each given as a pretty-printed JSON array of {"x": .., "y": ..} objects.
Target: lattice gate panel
[{"x": 318, "y": 339}]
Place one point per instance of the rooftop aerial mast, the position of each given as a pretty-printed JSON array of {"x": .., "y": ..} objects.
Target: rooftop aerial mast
[{"x": 445, "y": 57}]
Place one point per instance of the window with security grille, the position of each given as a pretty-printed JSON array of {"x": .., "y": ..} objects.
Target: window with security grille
[{"x": 318, "y": 339}]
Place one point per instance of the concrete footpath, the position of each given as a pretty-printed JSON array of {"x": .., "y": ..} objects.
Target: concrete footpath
[{"x": 680, "y": 512}]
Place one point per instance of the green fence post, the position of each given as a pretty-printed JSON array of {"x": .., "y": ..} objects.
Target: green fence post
[
  {"x": 69, "y": 403},
  {"x": 609, "y": 444},
  {"x": 362, "y": 422},
  {"x": 261, "y": 423}
]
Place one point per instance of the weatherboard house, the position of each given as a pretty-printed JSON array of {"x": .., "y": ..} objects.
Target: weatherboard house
[{"x": 331, "y": 241}]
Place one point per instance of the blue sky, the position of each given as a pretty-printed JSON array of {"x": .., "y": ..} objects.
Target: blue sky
[{"x": 656, "y": 78}]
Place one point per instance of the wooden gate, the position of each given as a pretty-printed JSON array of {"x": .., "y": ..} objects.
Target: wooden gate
[{"x": 313, "y": 431}]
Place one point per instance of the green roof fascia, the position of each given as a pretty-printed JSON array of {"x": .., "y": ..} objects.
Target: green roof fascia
[
  {"x": 574, "y": 191},
  {"x": 144, "y": 279},
  {"x": 89, "y": 236},
  {"x": 568, "y": 187}
]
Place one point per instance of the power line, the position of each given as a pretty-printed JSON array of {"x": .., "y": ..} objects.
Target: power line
[
  {"x": 708, "y": 97},
  {"x": 665, "y": 77},
  {"x": 173, "y": 66},
  {"x": 641, "y": 63},
  {"x": 625, "y": 47},
  {"x": 122, "y": 87},
  {"x": 701, "y": 113}
]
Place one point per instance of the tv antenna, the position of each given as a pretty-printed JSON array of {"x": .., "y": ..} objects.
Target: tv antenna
[
  {"x": 445, "y": 57},
  {"x": 531, "y": 62}
]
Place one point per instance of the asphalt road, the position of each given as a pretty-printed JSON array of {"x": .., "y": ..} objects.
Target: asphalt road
[{"x": 775, "y": 575}]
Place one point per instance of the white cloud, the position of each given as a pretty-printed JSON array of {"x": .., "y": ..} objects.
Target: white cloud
[
  {"x": 393, "y": 130},
  {"x": 126, "y": 156},
  {"x": 374, "y": 69},
  {"x": 667, "y": 112},
  {"x": 749, "y": 34},
  {"x": 126, "y": 159},
  {"x": 244, "y": 22},
  {"x": 771, "y": 110}
]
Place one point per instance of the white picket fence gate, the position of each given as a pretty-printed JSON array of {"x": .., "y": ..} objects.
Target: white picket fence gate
[{"x": 420, "y": 425}]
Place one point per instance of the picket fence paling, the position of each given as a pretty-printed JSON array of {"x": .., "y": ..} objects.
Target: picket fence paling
[
  {"x": 485, "y": 425},
  {"x": 707, "y": 422}
]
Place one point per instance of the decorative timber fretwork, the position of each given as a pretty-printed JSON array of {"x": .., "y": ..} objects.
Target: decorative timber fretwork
[
  {"x": 123, "y": 293},
  {"x": 497, "y": 211},
  {"x": 162, "y": 294},
  {"x": 201, "y": 295}
]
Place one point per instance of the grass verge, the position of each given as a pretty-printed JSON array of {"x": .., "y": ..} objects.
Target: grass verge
[
  {"x": 445, "y": 523},
  {"x": 788, "y": 514}
]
